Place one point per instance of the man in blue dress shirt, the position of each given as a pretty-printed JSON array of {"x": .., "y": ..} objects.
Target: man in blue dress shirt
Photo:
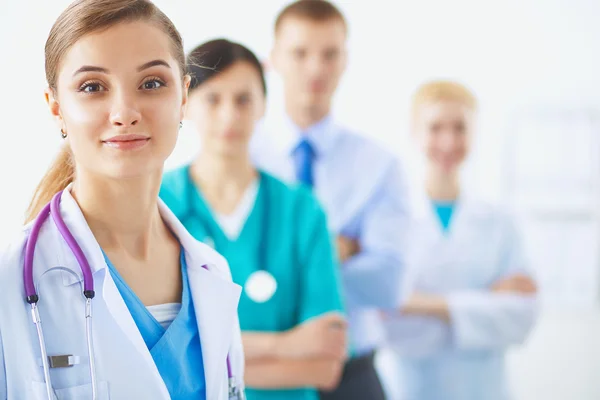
[{"x": 358, "y": 183}]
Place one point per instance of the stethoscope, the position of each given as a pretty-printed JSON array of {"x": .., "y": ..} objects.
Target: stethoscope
[
  {"x": 261, "y": 284},
  {"x": 52, "y": 208}
]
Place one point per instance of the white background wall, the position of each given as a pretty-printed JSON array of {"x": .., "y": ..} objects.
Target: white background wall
[{"x": 517, "y": 55}]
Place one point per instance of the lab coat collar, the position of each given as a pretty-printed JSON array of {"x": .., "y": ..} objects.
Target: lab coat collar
[
  {"x": 467, "y": 207},
  {"x": 215, "y": 296},
  {"x": 216, "y": 321}
]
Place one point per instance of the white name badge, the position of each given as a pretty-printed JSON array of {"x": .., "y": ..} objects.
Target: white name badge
[{"x": 261, "y": 286}]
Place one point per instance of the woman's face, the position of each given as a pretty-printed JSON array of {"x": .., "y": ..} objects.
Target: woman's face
[
  {"x": 120, "y": 98},
  {"x": 444, "y": 130},
  {"x": 226, "y": 108}
]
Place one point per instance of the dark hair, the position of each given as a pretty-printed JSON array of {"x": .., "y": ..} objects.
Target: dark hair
[
  {"x": 212, "y": 58},
  {"x": 313, "y": 10}
]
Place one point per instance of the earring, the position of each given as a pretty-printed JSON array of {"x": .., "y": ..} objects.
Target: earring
[
  {"x": 180, "y": 124},
  {"x": 63, "y": 134}
]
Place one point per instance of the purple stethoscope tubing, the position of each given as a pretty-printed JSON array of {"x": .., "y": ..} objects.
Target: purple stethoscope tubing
[
  {"x": 53, "y": 209},
  {"x": 32, "y": 297}
]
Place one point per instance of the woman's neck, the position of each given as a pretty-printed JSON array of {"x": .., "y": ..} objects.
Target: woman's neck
[
  {"x": 442, "y": 186},
  {"x": 123, "y": 215},
  {"x": 223, "y": 180}
]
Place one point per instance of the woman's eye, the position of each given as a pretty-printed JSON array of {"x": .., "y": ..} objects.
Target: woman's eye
[
  {"x": 91, "y": 87},
  {"x": 152, "y": 84},
  {"x": 243, "y": 100}
]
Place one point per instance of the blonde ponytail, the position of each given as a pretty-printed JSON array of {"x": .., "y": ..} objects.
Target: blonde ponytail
[{"x": 58, "y": 177}]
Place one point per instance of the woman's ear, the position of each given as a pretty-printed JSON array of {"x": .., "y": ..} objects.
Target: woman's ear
[
  {"x": 54, "y": 106},
  {"x": 186, "y": 95}
]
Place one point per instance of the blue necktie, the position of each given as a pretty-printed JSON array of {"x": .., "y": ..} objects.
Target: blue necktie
[{"x": 304, "y": 154}]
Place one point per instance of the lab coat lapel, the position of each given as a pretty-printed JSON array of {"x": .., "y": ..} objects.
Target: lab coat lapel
[
  {"x": 466, "y": 215},
  {"x": 121, "y": 315},
  {"x": 117, "y": 308},
  {"x": 424, "y": 214},
  {"x": 215, "y": 302}
]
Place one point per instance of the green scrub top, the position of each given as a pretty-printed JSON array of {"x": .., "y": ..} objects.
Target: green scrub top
[{"x": 287, "y": 232}]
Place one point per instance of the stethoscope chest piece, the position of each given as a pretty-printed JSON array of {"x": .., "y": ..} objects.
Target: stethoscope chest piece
[{"x": 261, "y": 286}]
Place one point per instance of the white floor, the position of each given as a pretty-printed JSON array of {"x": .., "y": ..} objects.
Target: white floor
[{"x": 561, "y": 360}]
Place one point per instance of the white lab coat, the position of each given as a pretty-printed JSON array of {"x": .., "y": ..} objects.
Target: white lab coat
[
  {"x": 124, "y": 366},
  {"x": 463, "y": 360}
]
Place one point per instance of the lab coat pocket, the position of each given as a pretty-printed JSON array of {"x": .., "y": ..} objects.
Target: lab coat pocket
[{"x": 82, "y": 392}]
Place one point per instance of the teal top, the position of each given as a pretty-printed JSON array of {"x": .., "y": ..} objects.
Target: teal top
[
  {"x": 176, "y": 350},
  {"x": 444, "y": 211},
  {"x": 286, "y": 235}
]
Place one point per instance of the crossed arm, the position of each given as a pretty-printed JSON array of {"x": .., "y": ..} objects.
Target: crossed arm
[
  {"x": 309, "y": 355},
  {"x": 483, "y": 319}
]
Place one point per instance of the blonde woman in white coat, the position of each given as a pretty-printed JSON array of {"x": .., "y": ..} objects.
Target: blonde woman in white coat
[{"x": 473, "y": 293}]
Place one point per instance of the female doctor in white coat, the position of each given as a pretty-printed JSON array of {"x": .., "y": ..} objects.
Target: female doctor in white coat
[
  {"x": 473, "y": 296},
  {"x": 164, "y": 310}
]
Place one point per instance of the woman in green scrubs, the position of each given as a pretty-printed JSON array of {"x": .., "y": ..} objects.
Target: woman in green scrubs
[{"x": 274, "y": 236}]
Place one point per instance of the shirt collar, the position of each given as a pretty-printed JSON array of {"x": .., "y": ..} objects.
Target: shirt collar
[{"x": 321, "y": 135}]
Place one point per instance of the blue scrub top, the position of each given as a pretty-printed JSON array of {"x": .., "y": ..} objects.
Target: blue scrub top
[
  {"x": 176, "y": 350},
  {"x": 299, "y": 254},
  {"x": 444, "y": 211}
]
